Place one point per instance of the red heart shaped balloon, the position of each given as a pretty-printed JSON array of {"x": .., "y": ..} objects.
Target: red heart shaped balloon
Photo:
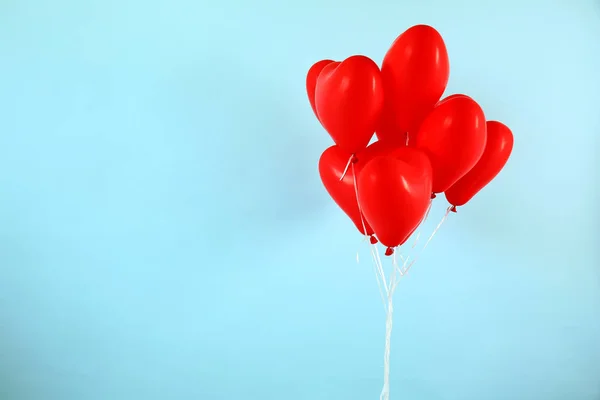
[
  {"x": 394, "y": 193},
  {"x": 311, "y": 81},
  {"x": 415, "y": 73},
  {"x": 498, "y": 147},
  {"x": 453, "y": 135},
  {"x": 452, "y": 96},
  {"x": 332, "y": 164},
  {"x": 375, "y": 149},
  {"x": 349, "y": 98},
  {"x": 390, "y": 148}
]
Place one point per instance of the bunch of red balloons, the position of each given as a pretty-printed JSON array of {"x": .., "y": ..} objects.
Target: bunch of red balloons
[{"x": 425, "y": 145}]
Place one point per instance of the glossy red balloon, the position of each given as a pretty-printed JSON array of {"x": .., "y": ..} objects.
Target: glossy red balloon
[
  {"x": 498, "y": 147},
  {"x": 388, "y": 133},
  {"x": 349, "y": 99},
  {"x": 386, "y": 148},
  {"x": 452, "y": 96},
  {"x": 311, "y": 81},
  {"x": 332, "y": 164},
  {"x": 375, "y": 149},
  {"x": 394, "y": 192},
  {"x": 453, "y": 135},
  {"x": 389, "y": 148},
  {"x": 415, "y": 73}
]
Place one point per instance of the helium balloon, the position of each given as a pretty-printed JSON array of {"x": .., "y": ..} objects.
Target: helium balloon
[
  {"x": 394, "y": 192},
  {"x": 498, "y": 148},
  {"x": 311, "y": 81},
  {"x": 349, "y": 99},
  {"x": 415, "y": 73},
  {"x": 453, "y": 135},
  {"x": 332, "y": 165}
]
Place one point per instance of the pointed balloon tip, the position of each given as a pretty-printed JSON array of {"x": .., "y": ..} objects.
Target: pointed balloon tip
[
  {"x": 433, "y": 196},
  {"x": 354, "y": 159},
  {"x": 453, "y": 209},
  {"x": 373, "y": 240},
  {"x": 389, "y": 251}
]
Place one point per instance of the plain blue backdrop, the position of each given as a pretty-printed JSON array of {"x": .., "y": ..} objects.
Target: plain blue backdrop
[{"x": 164, "y": 233}]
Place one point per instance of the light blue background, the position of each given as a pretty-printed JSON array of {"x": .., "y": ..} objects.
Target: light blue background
[{"x": 164, "y": 233}]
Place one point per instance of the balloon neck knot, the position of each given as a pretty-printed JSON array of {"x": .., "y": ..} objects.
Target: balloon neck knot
[
  {"x": 433, "y": 196},
  {"x": 389, "y": 251},
  {"x": 453, "y": 209},
  {"x": 354, "y": 159},
  {"x": 373, "y": 239}
]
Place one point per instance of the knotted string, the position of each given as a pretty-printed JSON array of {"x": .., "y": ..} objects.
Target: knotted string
[{"x": 422, "y": 222}]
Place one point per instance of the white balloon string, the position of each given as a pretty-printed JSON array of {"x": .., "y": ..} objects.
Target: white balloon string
[
  {"x": 397, "y": 273},
  {"x": 437, "y": 228},
  {"x": 422, "y": 222},
  {"x": 362, "y": 219},
  {"x": 377, "y": 258},
  {"x": 389, "y": 321},
  {"x": 365, "y": 239},
  {"x": 401, "y": 257},
  {"x": 347, "y": 166},
  {"x": 379, "y": 274},
  {"x": 385, "y": 391},
  {"x": 375, "y": 270},
  {"x": 416, "y": 242}
]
